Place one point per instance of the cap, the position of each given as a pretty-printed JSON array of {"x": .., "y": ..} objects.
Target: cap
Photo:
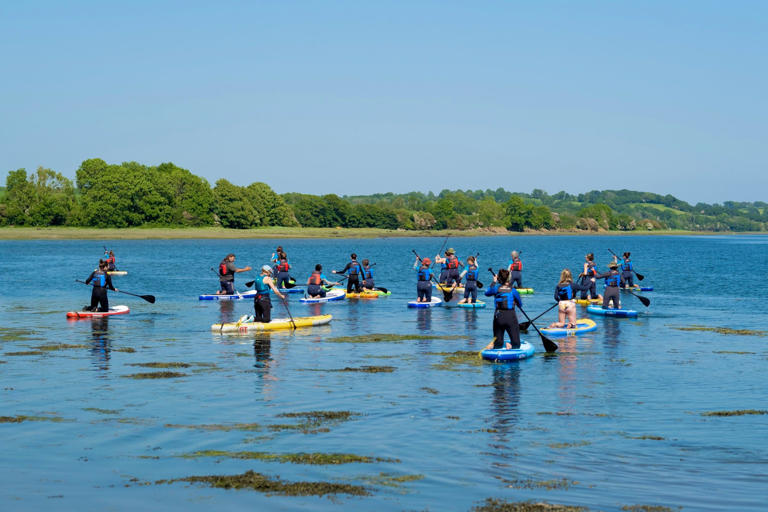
[
  {"x": 266, "y": 268},
  {"x": 427, "y": 261},
  {"x": 613, "y": 264},
  {"x": 450, "y": 251}
]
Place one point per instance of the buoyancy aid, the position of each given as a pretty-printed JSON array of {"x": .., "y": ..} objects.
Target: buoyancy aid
[
  {"x": 223, "y": 268},
  {"x": 472, "y": 273},
  {"x": 516, "y": 266},
  {"x": 613, "y": 280},
  {"x": 626, "y": 265},
  {"x": 99, "y": 279},
  {"x": 283, "y": 267},
  {"x": 505, "y": 298},
  {"x": 424, "y": 273},
  {"x": 260, "y": 286},
  {"x": 367, "y": 273},
  {"x": 316, "y": 278},
  {"x": 452, "y": 262},
  {"x": 354, "y": 268},
  {"x": 564, "y": 292}
]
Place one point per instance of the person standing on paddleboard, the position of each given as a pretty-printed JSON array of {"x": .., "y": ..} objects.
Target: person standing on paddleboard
[
  {"x": 423, "y": 285},
  {"x": 450, "y": 269},
  {"x": 515, "y": 268},
  {"x": 586, "y": 278},
  {"x": 353, "y": 270},
  {"x": 262, "y": 304},
  {"x": 227, "y": 271},
  {"x": 565, "y": 293},
  {"x": 505, "y": 297},
  {"x": 317, "y": 283},
  {"x": 101, "y": 282},
  {"x": 470, "y": 285},
  {"x": 612, "y": 284}
]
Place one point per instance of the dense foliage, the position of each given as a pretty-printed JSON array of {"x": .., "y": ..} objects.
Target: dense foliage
[{"x": 132, "y": 194}]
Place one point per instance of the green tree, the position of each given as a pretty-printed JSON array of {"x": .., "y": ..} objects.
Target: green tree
[
  {"x": 518, "y": 213},
  {"x": 233, "y": 207}
]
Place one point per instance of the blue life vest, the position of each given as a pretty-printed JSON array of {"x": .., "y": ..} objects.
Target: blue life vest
[
  {"x": 505, "y": 297},
  {"x": 260, "y": 286},
  {"x": 424, "y": 274},
  {"x": 100, "y": 278},
  {"x": 626, "y": 266},
  {"x": 354, "y": 268},
  {"x": 564, "y": 292},
  {"x": 613, "y": 280},
  {"x": 472, "y": 273},
  {"x": 591, "y": 269},
  {"x": 367, "y": 273}
]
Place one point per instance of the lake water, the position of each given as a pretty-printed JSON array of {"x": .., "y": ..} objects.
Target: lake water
[{"x": 615, "y": 418}]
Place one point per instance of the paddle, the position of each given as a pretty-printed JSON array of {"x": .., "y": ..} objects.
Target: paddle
[
  {"x": 549, "y": 345},
  {"x": 645, "y": 300},
  {"x": 447, "y": 295},
  {"x": 288, "y": 285},
  {"x": 640, "y": 277},
  {"x": 285, "y": 304},
  {"x": 525, "y": 325},
  {"x": 438, "y": 252},
  {"x": 148, "y": 298}
]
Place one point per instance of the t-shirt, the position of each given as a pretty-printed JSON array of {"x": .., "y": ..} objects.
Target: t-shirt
[{"x": 230, "y": 275}]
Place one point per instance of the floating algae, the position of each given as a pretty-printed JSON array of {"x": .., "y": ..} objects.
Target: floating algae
[
  {"x": 61, "y": 346},
  {"x": 103, "y": 411},
  {"x": 262, "y": 483},
  {"x": 21, "y": 418},
  {"x": 219, "y": 427},
  {"x": 549, "y": 485},
  {"x": 649, "y": 508},
  {"x": 161, "y": 365},
  {"x": 394, "y": 338},
  {"x": 431, "y": 391},
  {"x": 14, "y": 334},
  {"x": 731, "y": 352},
  {"x": 365, "y": 369},
  {"x": 25, "y": 353},
  {"x": 127, "y": 350},
  {"x": 155, "y": 375},
  {"x": 740, "y": 412},
  {"x": 496, "y": 505},
  {"x": 293, "y": 458},
  {"x": 721, "y": 330},
  {"x": 313, "y": 420},
  {"x": 453, "y": 359},
  {"x": 390, "y": 480},
  {"x": 569, "y": 445},
  {"x": 647, "y": 437}
]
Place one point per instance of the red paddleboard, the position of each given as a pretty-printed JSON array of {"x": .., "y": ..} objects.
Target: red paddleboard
[{"x": 114, "y": 310}]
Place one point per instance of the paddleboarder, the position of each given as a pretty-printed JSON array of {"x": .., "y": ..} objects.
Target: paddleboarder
[
  {"x": 353, "y": 270},
  {"x": 515, "y": 268},
  {"x": 565, "y": 293},
  {"x": 227, "y": 271},
  {"x": 262, "y": 304},
  {"x": 317, "y": 283},
  {"x": 470, "y": 284},
  {"x": 612, "y": 284},
  {"x": 101, "y": 282},
  {"x": 505, "y": 297}
]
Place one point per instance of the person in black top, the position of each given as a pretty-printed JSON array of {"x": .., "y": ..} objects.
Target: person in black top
[
  {"x": 101, "y": 282},
  {"x": 353, "y": 270},
  {"x": 612, "y": 283}
]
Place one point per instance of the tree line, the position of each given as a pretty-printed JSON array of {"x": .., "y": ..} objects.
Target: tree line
[{"x": 131, "y": 194}]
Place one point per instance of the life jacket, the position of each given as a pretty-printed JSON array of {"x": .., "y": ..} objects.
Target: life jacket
[
  {"x": 354, "y": 268},
  {"x": 452, "y": 262},
  {"x": 472, "y": 273},
  {"x": 505, "y": 298},
  {"x": 283, "y": 267},
  {"x": 223, "y": 268},
  {"x": 591, "y": 269},
  {"x": 316, "y": 278},
  {"x": 516, "y": 266},
  {"x": 613, "y": 280},
  {"x": 260, "y": 286},
  {"x": 424, "y": 274},
  {"x": 564, "y": 292},
  {"x": 626, "y": 266},
  {"x": 99, "y": 279},
  {"x": 367, "y": 273}
]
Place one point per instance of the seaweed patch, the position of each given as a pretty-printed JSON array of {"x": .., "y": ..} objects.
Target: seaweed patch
[
  {"x": 722, "y": 330},
  {"x": 25, "y": 353},
  {"x": 219, "y": 427},
  {"x": 431, "y": 391},
  {"x": 102, "y": 411},
  {"x": 161, "y": 365},
  {"x": 316, "y": 458},
  {"x": 649, "y": 508},
  {"x": 740, "y": 412},
  {"x": 155, "y": 375},
  {"x": 497, "y": 505},
  {"x": 453, "y": 359},
  {"x": 364, "y": 369},
  {"x": 262, "y": 483},
  {"x": 22, "y": 418},
  {"x": 61, "y": 346},
  {"x": 390, "y": 480},
  {"x": 549, "y": 485},
  {"x": 569, "y": 445}
]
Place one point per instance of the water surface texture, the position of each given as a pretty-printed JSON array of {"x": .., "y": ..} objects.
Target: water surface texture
[{"x": 616, "y": 417}]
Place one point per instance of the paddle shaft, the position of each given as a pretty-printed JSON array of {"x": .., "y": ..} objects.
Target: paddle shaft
[
  {"x": 447, "y": 295},
  {"x": 148, "y": 298},
  {"x": 524, "y": 326}
]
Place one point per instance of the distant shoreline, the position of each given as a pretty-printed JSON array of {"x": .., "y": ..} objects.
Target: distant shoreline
[{"x": 71, "y": 233}]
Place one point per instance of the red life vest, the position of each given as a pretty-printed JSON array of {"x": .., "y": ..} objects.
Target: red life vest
[
  {"x": 223, "y": 268},
  {"x": 452, "y": 262},
  {"x": 517, "y": 266},
  {"x": 315, "y": 278},
  {"x": 283, "y": 267}
]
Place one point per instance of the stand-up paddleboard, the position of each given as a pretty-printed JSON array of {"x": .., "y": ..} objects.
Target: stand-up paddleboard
[
  {"x": 332, "y": 294},
  {"x": 277, "y": 324},
  {"x": 117, "y": 272},
  {"x": 587, "y": 302},
  {"x": 524, "y": 291},
  {"x": 514, "y": 354},
  {"x": 639, "y": 289},
  {"x": 477, "y": 304},
  {"x": 113, "y": 310},
  {"x": 582, "y": 325},
  {"x": 237, "y": 296},
  {"x": 447, "y": 288},
  {"x": 434, "y": 303},
  {"x": 291, "y": 290},
  {"x": 621, "y": 313}
]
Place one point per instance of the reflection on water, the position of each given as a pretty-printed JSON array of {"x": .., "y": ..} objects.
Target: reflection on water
[
  {"x": 505, "y": 397},
  {"x": 262, "y": 346},
  {"x": 100, "y": 344},
  {"x": 424, "y": 319},
  {"x": 227, "y": 311}
]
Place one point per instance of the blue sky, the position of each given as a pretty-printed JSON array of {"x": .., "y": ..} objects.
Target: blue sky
[{"x": 359, "y": 97}]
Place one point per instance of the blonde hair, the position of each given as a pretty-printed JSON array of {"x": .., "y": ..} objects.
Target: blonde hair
[{"x": 565, "y": 277}]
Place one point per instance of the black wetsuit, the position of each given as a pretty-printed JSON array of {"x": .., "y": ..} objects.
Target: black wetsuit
[
  {"x": 612, "y": 283},
  {"x": 262, "y": 303},
  {"x": 504, "y": 318},
  {"x": 101, "y": 282},
  {"x": 627, "y": 274},
  {"x": 354, "y": 268},
  {"x": 516, "y": 274},
  {"x": 587, "y": 281}
]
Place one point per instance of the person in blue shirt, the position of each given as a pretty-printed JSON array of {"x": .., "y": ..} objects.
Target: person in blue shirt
[
  {"x": 470, "y": 284},
  {"x": 423, "y": 284},
  {"x": 505, "y": 297},
  {"x": 317, "y": 283},
  {"x": 262, "y": 304},
  {"x": 627, "y": 272}
]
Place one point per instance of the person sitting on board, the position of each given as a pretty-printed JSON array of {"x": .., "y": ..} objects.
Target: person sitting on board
[
  {"x": 262, "y": 304},
  {"x": 505, "y": 297},
  {"x": 110, "y": 260},
  {"x": 450, "y": 268},
  {"x": 317, "y": 283},
  {"x": 470, "y": 275},
  {"x": 283, "y": 269},
  {"x": 367, "y": 273},
  {"x": 227, "y": 271},
  {"x": 423, "y": 284},
  {"x": 101, "y": 282},
  {"x": 627, "y": 272},
  {"x": 612, "y": 284},
  {"x": 515, "y": 270},
  {"x": 565, "y": 293},
  {"x": 352, "y": 270},
  {"x": 586, "y": 278}
]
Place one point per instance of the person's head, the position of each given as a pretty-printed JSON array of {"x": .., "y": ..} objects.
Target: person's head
[
  {"x": 266, "y": 270},
  {"x": 230, "y": 257},
  {"x": 471, "y": 260},
  {"x": 283, "y": 258},
  {"x": 515, "y": 255},
  {"x": 626, "y": 255},
  {"x": 318, "y": 267},
  {"x": 613, "y": 265},
  {"x": 353, "y": 256},
  {"x": 565, "y": 276},
  {"x": 111, "y": 254},
  {"x": 102, "y": 265},
  {"x": 590, "y": 257},
  {"x": 450, "y": 252},
  {"x": 279, "y": 249},
  {"x": 365, "y": 262},
  {"x": 502, "y": 277},
  {"x": 426, "y": 262}
]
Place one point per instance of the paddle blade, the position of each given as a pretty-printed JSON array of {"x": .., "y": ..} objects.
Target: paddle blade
[
  {"x": 288, "y": 285},
  {"x": 148, "y": 298},
  {"x": 447, "y": 295},
  {"x": 549, "y": 345},
  {"x": 640, "y": 277},
  {"x": 382, "y": 289},
  {"x": 524, "y": 326},
  {"x": 645, "y": 300},
  {"x": 249, "y": 284},
  {"x": 480, "y": 284}
]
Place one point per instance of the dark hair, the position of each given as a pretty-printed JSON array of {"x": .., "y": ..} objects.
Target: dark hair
[
  {"x": 626, "y": 254},
  {"x": 365, "y": 262},
  {"x": 503, "y": 276},
  {"x": 102, "y": 264},
  {"x": 470, "y": 258},
  {"x": 230, "y": 255},
  {"x": 283, "y": 256},
  {"x": 318, "y": 267},
  {"x": 591, "y": 257},
  {"x": 353, "y": 256},
  {"x": 279, "y": 248}
]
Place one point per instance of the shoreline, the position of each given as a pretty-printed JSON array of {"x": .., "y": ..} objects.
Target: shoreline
[{"x": 73, "y": 233}]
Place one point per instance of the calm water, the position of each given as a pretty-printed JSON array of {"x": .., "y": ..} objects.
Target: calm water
[{"x": 614, "y": 418}]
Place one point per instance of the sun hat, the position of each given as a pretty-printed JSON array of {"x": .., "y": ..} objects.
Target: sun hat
[
  {"x": 450, "y": 251},
  {"x": 266, "y": 268},
  {"x": 613, "y": 264}
]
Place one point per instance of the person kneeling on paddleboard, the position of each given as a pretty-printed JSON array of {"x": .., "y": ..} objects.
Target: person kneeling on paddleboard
[
  {"x": 565, "y": 293},
  {"x": 317, "y": 283},
  {"x": 101, "y": 282},
  {"x": 262, "y": 304},
  {"x": 612, "y": 283},
  {"x": 367, "y": 273},
  {"x": 515, "y": 268},
  {"x": 504, "y": 318},
  {"x": 227, "y": 271}
]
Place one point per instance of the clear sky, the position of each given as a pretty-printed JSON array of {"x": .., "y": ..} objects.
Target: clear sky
[{"x": 357, "y": 97}]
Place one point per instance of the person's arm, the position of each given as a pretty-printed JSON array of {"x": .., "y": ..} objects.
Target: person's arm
[
  {"x": 439, "y": 259},
  {"x": 246, "y": 269},
  {"x": 269, "y": 282},
  {"x": 517, "y": 299},
  {"x": 343, "y": 270},
  {"x": 90, "y": 278},
  {"x": 601, "y": 276},
  {"x": 557, "y": 298},
  {"x": 108, "y": 282}
]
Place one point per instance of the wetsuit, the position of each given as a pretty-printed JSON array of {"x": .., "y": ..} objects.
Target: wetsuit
[
  {"x": 505, "y": 318},
  {"x": 423, "y": 286},
  {"x": 587, "y": 281},
  {"x": 101, "y": 282},
  {"x": 452, "y": 274},
  {"x": 227, "y": 276},
  {"x": 368, "y": 278},
  {"x": 516, "y": 273},
  {"x": 262, "y": 304},
  {"x": 612, "y": 283},
  {"x": 443, "y": 273},
  {"x": 470, "y": 283},
  {"x": 315, "y": 286},
  {"x": 353, "y": 270},
  {"x": 627, "y": 274},
  {"x": 283, "y": 277}
]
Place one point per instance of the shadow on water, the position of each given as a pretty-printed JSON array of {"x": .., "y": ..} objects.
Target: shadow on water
[
  {"x": 100, "y": 343},
  {"x": 505, "y": 398}
]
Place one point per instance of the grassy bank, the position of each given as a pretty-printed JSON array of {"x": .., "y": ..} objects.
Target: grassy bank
[{"x": 70, "y": 233}]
